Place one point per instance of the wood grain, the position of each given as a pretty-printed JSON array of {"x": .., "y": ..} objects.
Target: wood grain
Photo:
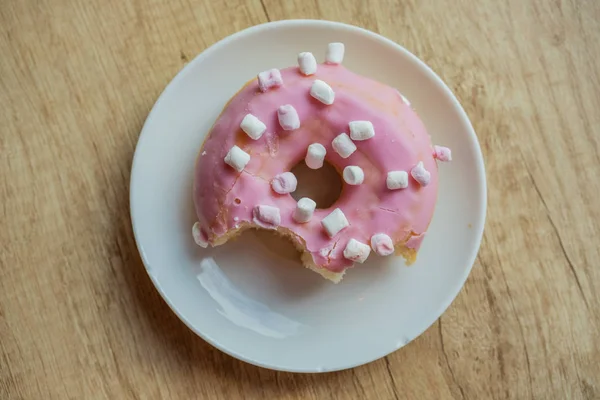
[{"x": 79, "y": 319}]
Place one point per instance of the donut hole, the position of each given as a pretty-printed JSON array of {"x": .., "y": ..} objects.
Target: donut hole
[{"x": 323, "y": 185}]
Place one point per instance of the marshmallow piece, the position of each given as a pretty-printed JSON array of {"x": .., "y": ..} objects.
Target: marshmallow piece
[
  {"x": 253, "y": 126},
  {"x": 322, "y": 92},
  {"x": 356, "y": 251},
  {"x": 334, "y": 222},
  {"x": 442, "y": 153},
  {"x": 343, "y": 145},
  {"x": 335, "y": 53},
  {"x": 304, "y": 210},
  {"x": 269, "y": 79},
  {"x": 353, "y": 175},
  {"x": 284, "y": 183},
  {"x": 420, "y": 174},
  {"x": 198, "y": 236},
  {"x": 315, "y": 156},
  {"x": 382, "y": 244},
  {"x": 237, "y": 158},
  {"x": 361, "y": 130},
  {"x": 397, "y": 180},
  {"x": 266, "y": 216},
  {"x": 288, "y": 117},
  {"x": 307, "y": 63}
]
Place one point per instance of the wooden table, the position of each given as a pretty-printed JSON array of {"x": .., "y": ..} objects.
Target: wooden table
[{"x": 79, "y": 318}]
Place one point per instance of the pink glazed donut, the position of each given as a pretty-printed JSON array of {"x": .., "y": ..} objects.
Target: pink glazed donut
[{"x": 365, "y": 129}]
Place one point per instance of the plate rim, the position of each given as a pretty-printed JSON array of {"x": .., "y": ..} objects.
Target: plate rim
[{"x": 477, "y": 226}]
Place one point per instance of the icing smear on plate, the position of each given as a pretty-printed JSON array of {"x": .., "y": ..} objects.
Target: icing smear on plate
[{"x": 240, "y": 309}]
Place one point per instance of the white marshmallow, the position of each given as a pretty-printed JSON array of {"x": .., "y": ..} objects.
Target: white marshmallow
[
  {"x": 382, "y": 244},
  {"x": 343, "y": 145},
  {"x": 335, "y": 53},
  {"x": 304, "y": 210},
  {"x": 315, "y": 155},
  {"x": 397, "y": 180},
  {"x": 288, "y": 117},
  {"x": 420, "y": 174},
  {"x": 284, "y": 183},
  {"x": 266, "y": 216},
  {"x": 307, "y": 63},
  {"x": 322, "y": 92},
  {"x": 353, "y": 175},
  {"x": 356, "y": 251},
  {"x": 334, "y": 222},
  {"x": 269, "y": 79},
  {"x": 237, "y": 158},
  {"x": 253, "y": 126},
  {"x": 361, "y": 130},
  {"x": 198, "y": 236},
  {"x": 442, "y": 153}
]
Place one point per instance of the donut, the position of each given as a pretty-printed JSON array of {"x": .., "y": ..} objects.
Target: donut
[{"x": 317, "y": 113}]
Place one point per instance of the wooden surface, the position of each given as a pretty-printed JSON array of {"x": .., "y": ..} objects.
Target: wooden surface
[{"x": 79, "y": 318}]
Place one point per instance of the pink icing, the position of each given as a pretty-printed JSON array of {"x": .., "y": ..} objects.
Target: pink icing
[
  {"x": 414, "y": 242},
  {"x": 224, "y": 197}
]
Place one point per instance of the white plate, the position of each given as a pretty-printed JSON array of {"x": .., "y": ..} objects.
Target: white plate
[{"x": 252, "y": 298}]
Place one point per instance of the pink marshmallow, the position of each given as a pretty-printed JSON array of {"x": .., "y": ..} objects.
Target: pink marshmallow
[
  {"x": 382, "y": 244},
  {"x": 266, "y": 216},
  {"x": 284, "y": 183},
  {"x": 269, "y": 79},
  {"x": 442, "y": 153},
  {"x": 420, "y": 174},
  {"x": 288, "y": 117}
]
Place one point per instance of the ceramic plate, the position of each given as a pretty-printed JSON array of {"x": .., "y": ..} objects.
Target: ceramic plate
[{"x": 252, "y": 298}]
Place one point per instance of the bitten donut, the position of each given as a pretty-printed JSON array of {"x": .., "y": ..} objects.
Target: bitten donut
[{"x": 319, "y": 113}]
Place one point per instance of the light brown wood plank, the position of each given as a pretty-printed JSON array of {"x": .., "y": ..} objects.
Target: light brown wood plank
[{"x": 79, "y": 318}]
